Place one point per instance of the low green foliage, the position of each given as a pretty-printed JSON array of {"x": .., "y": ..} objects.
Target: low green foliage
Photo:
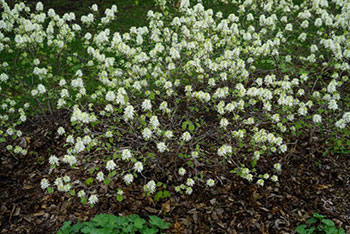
[
  {"x": 106, "y": 223},
  {"x": 319, "y": 224}
]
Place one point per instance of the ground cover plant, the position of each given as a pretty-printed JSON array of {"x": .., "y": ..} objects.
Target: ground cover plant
[
  {"x": 319, "y": 224},
  {"x": 105, "y": 223},
  {"x": 194, "y": 99}
]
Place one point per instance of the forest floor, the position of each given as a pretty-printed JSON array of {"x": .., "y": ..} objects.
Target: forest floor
[{"x": 309, "y": 183}]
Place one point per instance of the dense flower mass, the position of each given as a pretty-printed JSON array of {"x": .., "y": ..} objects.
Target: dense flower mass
[{"x": 193, "y": 87}]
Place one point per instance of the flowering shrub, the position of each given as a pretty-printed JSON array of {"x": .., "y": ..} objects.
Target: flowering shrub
[{"x": 194, "y": 88}]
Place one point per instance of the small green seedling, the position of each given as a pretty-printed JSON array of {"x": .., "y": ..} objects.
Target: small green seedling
[{"x": 319, "y": 224}]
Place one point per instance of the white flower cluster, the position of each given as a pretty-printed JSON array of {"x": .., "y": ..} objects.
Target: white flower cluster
[{"x": 231, "y": 75}]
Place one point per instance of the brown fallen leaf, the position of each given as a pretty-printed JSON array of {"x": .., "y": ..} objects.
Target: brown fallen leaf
[
  {"x": 151, "y": 210},
  {"x": 40, "y": 213},
  {"x": 27, "y": 187},
  {"x": 178, "y": 228},
  {"x": 17, "y": 211},
  {"x": 166, "y": 206}
]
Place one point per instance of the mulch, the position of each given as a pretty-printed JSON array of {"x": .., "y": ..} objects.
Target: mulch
[{"x": 309, "y": 183}]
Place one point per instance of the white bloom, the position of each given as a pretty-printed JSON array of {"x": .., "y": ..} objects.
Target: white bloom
[
  {"x": 146, "y": 105},
  {"x": 100, "y": 176},
  {"x": 70, "y": 139},
  {"x": 283, "y": 148},
  {"x": 109, "y": 108},
  {"x": 346, "y": 117},
  {"x": 189, "y": 190},
  {"x": 129, "y": 112},
  {"x": 10, "y": 131},
  {"x": 147, "y": 133},
  {"x": 79, "y": 146},
  {"x": 249, "y": 177},
  {"x": 332, "y": 104},
  {"x": 186, "y": 136},
  {"x": 111, "y": 165},
  {"x": 70, "y": 159},
  {"x": 94, "y": 7},
  {"x": 67, "y": 187},
  {"x": 109, "y": 134},
  {"x": 210, "y": 182},
  {"x": 182, "y": 171},
  {"x": 260, "y": 182},
  {"x": 274, "y": 178},
  {"x": 3, "y": 77},
  {"x": 340, "y": 124},
  {"x": 110, "y": 96},
  {"x": 44, "y": 183},
  {"x": 39, "y": 6},
  {"x": 53, "y": 160},
  {"x": 126, "y": 154},
  {"x": 66, "y": 179},
  {"x": 138, "y": 166},
  {"x": 93, "y": 199},
  {"x": 58, "y": 181},
  {"x": 190, "y": 182},
  {"x": 224, "y": 123},
  {"x": 161, "y": 147},
  {"x": 154, "y": 121},
  {"x": 168, "y": 134},
  {"x": 120, "y": 192},
  {"x": 150, "y": 187},
  {"x": 81, "y": 194},
  {"x": 289, "y": 27},
  {"x": 60, "y": 131},
  {"x": 41, "y": 88},
  {"x": 225, "y": 149},
  {"x": 317, "y": 118},
  {"x": 277, "y": 166},
  {"x": 128, "y": 179},
  {"x": 194, "y": 154}
]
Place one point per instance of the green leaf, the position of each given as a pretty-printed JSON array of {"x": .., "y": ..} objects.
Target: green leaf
[
  {"x": 149, "y": 231},
  {"x": 139, "y": 222},
  {"x": 311, "y": 220},
  {"x": 89, "y": 181},
  {"x": 319, "y": 216},
  {"x": 158, "y": 222},
  {"x": 104, "y": 220},
  {"x": 83, "y": 200},
  {"x": 50, "y": 190},
  {"x": 158, "y": 196},
  {"x": 311, "y": 230},
  {"x": 298, "y": 125},
  {"x": 184, "y": 126},
  {"x": 191, "y": 127},
  {"x": 166, "y": 193},
  {"x": 253, "y": 163},
  {"x": 119, "y": 198},
  {"x": 301, "y": 229},
  {"x": 111, "y": 174},
  {"x": 2, "y": 140},
  {"x": 66, "y": 228},
  {"x": 328, "y": 222}
]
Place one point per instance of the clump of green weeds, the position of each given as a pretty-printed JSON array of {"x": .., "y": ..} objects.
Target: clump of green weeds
[
  {"x": 107, "y": 223},
  {"x": 319, "y": 224}
]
